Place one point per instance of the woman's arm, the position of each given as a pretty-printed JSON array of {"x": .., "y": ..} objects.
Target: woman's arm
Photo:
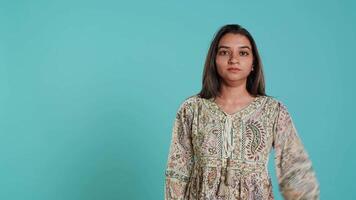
[
  {"x": 295, "y": 174},
  {"x": 180, "y": 159}
]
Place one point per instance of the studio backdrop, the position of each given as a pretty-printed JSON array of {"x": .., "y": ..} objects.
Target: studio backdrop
[{"x": 89, "y": 89}]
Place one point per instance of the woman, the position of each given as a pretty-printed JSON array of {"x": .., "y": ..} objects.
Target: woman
[{"x": 223, "y": 135}]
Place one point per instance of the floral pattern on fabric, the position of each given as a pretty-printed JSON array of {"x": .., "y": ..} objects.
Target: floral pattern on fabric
[{"x": 196, "y": 166}]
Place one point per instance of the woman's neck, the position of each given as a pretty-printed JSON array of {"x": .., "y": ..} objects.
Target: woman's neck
[{"x": 234, "y": 94}]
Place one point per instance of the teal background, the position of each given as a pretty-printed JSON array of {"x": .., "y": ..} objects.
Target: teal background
[{"x": 89, "y": 89}]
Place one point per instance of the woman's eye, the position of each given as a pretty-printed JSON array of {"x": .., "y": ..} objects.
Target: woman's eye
[
  {"x": 243, "y": 53},
  {"x": 222, "y": 52}
]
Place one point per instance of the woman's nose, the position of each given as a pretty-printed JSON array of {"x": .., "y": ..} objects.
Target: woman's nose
[{"x": 233, "y": 59}]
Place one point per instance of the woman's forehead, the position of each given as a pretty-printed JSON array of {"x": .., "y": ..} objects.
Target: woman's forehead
[{"x": 234, "y": 40}]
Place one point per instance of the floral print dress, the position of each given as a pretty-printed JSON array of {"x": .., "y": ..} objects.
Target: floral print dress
[{"x": 215, "y": 155}]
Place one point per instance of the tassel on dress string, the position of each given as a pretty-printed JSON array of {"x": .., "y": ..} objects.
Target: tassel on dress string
[
  {"x": 228, "y": 146},
  {"x": 222, "y": 190}
]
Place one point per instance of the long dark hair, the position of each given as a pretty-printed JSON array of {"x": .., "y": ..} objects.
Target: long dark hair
[{"x": 255, "y": 84}]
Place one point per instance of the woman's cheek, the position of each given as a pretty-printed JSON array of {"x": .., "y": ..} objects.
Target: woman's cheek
[{"x": 221, "y": 61}]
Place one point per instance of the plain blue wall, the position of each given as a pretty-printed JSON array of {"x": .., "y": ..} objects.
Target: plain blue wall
[{"x": 89, "y": 89}]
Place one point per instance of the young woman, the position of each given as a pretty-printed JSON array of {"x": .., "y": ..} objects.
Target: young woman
[{"x": 222, "y": 136}]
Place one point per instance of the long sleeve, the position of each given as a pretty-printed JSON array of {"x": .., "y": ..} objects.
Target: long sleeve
[
  {"x": 181, "y": 156},
  {"x": 295, "y": 174}
]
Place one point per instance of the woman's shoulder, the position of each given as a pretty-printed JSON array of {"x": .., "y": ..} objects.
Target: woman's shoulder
[
  {"x": 277, "y": 103},
  {"x": 188, "y": 102},
  {"x": 192, "y": 98}
]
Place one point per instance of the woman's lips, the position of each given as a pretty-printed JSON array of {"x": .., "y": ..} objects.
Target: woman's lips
[{"x": 234, "y": 69}]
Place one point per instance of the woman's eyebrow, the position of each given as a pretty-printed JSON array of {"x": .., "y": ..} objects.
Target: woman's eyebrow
[
  {"x": 227, "y": 47},
  {"x": 241, "y": 47}
]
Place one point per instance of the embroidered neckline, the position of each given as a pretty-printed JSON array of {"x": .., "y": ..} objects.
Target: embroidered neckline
[{"x": 247, "y": 110}]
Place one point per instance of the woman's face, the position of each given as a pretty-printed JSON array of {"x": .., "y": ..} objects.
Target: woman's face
[{"x": 234, "y": 58}]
